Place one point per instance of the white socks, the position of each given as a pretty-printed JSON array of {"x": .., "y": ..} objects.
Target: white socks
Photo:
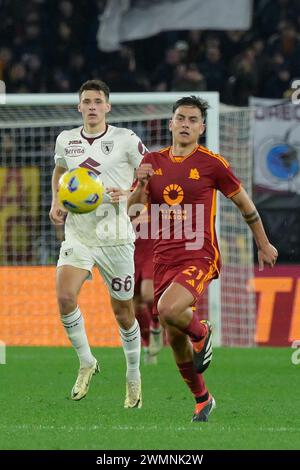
[
  {"x": 131, "y": 340},
  {"x": 74, "y": 327}
]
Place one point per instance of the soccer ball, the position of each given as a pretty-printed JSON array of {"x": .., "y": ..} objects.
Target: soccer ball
[{"x": 80, "y": 190}]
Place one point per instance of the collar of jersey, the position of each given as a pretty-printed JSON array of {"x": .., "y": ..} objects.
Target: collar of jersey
[
  {"x": 180, "y": 159},
  {"x": 93, "y": 136}
]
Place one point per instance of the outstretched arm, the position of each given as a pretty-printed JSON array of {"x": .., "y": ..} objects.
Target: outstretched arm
[{"x": 267, "y": 253}]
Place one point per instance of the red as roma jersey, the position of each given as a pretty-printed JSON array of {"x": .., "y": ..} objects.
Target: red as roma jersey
[{"x": 182, "y": 194}]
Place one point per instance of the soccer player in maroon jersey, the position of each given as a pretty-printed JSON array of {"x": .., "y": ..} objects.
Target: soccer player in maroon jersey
[
  {"x": 151, "y": 330},
  {"x": 181, "y": 182}
]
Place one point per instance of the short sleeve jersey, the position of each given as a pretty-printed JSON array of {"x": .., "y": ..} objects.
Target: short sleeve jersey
[
  {"x": 182, "y": 193},
  {"x": 114, "y": 156}
]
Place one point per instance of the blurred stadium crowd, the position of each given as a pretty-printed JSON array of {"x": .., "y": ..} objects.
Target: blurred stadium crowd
[{"x": 51, "y": 46}]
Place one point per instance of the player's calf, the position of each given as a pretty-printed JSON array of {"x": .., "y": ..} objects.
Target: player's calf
[
  {"x": 156, "y": 340},
  {"x": 202, "y": 350}
]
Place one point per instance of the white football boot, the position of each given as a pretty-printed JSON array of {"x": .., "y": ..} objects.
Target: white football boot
[
  {"x": 83, "y": 380},
  {"x": 133, "y": 394}
]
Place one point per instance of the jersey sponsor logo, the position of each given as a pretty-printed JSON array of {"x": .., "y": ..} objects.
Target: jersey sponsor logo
[
  {"x": 158, "y": 172},
  {"x": 91, "y": 165},
  {"x": 173, "y": 194},
  {"x": 194, "y": 174},
  {"x": 74, "y": 151},
  {"x": 75, "y": 142},
  {"x": 107, "y": 147}
]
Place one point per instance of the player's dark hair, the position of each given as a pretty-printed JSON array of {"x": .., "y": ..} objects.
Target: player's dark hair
[
  {"x": 194, "y": 102},
  {"x": 97, "y": 85}
]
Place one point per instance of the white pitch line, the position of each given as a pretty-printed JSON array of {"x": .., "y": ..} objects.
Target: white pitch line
[{"x": 121, "y": 427}]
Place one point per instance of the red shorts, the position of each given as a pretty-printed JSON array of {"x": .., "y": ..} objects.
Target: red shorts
[
  {"x": 194, "y": 275},
  {"x": 143, "y": 262}
]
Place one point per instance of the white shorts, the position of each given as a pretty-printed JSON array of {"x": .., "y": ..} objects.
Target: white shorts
[{"x": 115, "y": 264}]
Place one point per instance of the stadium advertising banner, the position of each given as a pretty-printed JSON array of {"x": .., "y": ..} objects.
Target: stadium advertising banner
[
  {"x": 276, "y": 134},
  {"x": 278, "y": 305},
  {"x": 23, "y": 324},
  {"x": 19, "y": 212},
  {"x": 277, "y": 294}
]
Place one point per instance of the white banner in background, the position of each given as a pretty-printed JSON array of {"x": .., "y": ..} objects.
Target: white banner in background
[
  {"x": 276, "y": 144},
  {"x": 127, "y": 20}
]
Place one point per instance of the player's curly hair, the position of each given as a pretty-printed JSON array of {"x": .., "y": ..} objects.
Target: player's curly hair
[
  {"x": 193, "y": 101},
  {"x": 97, "y": 85}
]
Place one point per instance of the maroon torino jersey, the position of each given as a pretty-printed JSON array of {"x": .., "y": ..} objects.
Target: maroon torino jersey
[{"x": 181, "y": 184}]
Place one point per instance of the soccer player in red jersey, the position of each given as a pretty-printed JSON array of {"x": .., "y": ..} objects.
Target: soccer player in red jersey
[
  {"x": 151, "y": 330},
  {"x": 181, "y": 182}
]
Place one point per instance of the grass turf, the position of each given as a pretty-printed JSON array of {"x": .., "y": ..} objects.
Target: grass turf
[{"x": 256, "y": 390}]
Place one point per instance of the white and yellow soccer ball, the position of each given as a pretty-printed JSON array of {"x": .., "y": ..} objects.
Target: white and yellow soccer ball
[{"x": 80, "y": 190}]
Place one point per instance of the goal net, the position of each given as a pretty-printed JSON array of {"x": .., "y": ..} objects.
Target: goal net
[
  {"x": 29, "y": 244},
  {"x": 238, "y": 307}
]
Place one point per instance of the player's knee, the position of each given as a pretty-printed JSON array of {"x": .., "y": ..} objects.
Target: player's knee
[
  {"x": 167, "y": 312},
  {"x": 67, "y": 302}
]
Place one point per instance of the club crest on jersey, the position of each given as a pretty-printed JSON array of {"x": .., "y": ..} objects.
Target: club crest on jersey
[
  {"x": 194, "y": 174},
  {"x": 107, "y": 147}
]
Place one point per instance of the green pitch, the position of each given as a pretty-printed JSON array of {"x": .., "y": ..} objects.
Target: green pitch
[{"x": 256, "y": 390}]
